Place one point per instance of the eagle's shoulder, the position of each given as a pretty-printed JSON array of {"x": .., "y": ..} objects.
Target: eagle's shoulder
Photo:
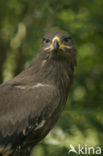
[{"x": 23, "y": 108}]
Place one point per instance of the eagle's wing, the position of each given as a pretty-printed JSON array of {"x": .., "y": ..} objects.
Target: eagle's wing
[{"x": 22, "y": 108}]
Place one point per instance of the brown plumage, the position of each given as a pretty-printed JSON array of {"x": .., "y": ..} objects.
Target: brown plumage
[{"x": 32, "y": 102}]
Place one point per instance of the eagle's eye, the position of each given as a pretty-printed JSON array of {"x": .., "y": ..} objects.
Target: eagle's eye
[
  {"x": 67, "y": 39},
  {"x": 46, "y": 41}
]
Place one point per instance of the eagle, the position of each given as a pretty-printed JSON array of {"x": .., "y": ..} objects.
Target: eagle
[{"x": 31, "y": 103}]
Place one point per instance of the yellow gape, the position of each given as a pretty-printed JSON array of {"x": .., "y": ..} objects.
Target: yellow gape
[{"x": 61, "y": 46}]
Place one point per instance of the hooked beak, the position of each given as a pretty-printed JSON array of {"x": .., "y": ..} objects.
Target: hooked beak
[{"x": 56, "y": 45}]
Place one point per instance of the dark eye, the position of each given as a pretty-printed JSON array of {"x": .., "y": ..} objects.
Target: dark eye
[
  {"x": 67, "y": 39},
  {"x": 46, "y": 40}
]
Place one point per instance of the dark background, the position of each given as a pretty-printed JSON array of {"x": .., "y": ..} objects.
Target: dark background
[{"x": 22, "y": 25}]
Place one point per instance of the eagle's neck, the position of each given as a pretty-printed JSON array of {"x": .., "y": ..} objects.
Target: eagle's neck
[
  {"x": 58, "y": 72},
  {"x": 61, "y": 74}
]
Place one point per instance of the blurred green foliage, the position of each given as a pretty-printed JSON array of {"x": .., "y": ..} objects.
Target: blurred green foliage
[{"x": 22, "y": 25}]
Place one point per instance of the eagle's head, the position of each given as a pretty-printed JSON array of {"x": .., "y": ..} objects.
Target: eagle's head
[{"x": 58, "y": 43}]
